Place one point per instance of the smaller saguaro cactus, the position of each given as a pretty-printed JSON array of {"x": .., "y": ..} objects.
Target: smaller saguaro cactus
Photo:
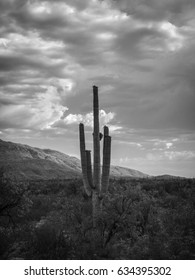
[{"x": 95, "y": 184}]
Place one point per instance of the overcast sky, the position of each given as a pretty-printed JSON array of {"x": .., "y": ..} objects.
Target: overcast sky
[{"x": 141, "y": 55}]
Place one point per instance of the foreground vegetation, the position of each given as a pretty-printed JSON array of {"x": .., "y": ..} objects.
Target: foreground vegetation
[{"x": 141, "y": 219}]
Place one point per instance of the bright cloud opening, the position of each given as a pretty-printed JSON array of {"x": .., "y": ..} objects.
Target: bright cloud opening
[
  {"x": 87, "y": 119},
  {"x": 175, "y": 41}
]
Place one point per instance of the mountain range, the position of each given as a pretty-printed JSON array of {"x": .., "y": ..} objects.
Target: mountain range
[{"x": 23, "y": 162}]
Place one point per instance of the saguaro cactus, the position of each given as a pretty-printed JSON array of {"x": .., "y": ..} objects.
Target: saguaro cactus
[{"x": 95, "y": 184}]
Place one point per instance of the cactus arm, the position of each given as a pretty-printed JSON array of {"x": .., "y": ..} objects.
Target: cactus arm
[
  {"x": 106, "y": 131},
  {"x": 89, "y": 169},
  {"x": 106, "y": 161},
  {"x": 96, "y": 140},
  {"x": 84, "y": 160}
]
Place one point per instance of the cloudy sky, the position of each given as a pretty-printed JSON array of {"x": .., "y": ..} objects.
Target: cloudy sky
[{"x": 141, "y": 55}]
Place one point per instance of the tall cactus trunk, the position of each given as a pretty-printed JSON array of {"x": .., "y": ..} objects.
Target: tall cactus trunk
[
  {"x": 96, "y": 154},
  {"x": 96, "y": 140}
]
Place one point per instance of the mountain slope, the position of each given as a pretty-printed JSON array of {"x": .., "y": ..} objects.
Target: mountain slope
[
  {"x": 23, "y": 162},
  {"x": 118, "y": 171}
]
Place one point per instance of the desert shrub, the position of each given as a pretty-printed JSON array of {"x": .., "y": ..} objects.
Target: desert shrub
[
  {"x": 6, "y": 238},
  {"x": 14, "y": 201},
  {"x": 141, "y": 219},
  {"x": 71, "y": 189},
  {"x": 49, "y": 243},
  {"x": 41, "y": 206}
]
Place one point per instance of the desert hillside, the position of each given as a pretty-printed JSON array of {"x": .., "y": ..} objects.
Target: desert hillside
[{"x": 24, "y": 162}]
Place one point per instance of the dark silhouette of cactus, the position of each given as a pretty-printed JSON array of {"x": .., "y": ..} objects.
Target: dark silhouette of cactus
[{"x": 95, "y": 185}]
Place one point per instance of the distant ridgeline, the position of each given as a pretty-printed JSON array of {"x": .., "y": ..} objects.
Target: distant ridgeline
[{"x": 23, "y": 162}]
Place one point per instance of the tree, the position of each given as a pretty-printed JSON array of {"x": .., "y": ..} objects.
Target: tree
[{"x": 14, "y": 201}]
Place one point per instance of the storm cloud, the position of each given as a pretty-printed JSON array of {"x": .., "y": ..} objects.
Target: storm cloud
[{"x": 141, "y": 54}]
